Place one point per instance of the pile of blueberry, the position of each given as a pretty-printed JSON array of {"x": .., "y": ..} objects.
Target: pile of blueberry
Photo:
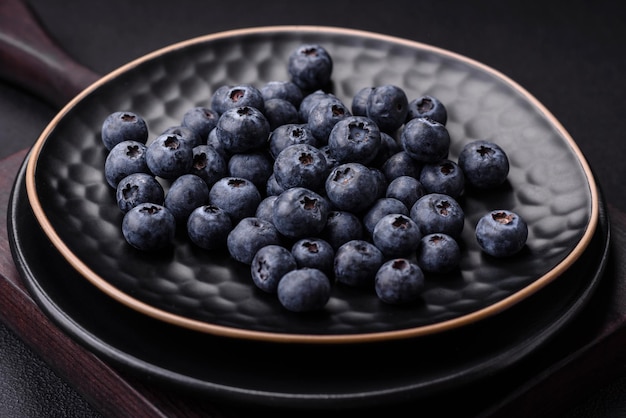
[{"x": 308, "y": 191}]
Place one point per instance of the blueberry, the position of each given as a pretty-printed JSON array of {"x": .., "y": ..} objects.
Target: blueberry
[
  {"x": 255, "y": 166},
  {"x": 396, "y": 235},
  {"x": 381, "y": 182},
  {"x": 401, "y": 164},
  {"x": 356, "y": 263},
  {"x": 501, "y": 233},
  {"x": 359, "y": 101},
  {"x": 341, "y": 227},
  {"x": 169, "y": 156},
  {"x": 242, "y": 129},
  {"x": 213, "y": 141},
  {"x": 331, "y": 162},
  {"x": 311, "y": 100},
  {"x": 399, "y": 281},
  {"x": 300, "y": 212},
  {"x": 484, "y": 163},
  {"x": 352, "y": 187},
  {"x": 149, "y": 227},
  {"x": 269, "y": 265},
  {"x": 301, "y": 165},
  {"x": 280, "y": 89},
  {"x": 406, "y": 189},
  {"x": 438, "y": 253},
  {"x": 208, "y": 227},
  {"x": 310, "y": 67},
  {"x": 138, "y": 188},
  {"x": 272, "y": 188},
  {"x": 187, "y": 134},
  {"x": 265, "y": 210},
  {"x": 237, "y": 196},
  {"x": 387, "y": 106},
  {"x": 127, "y": 157},
  {"x": 314, "y": 253},
  {"x": 428, "y": 106},
  {"x": 444, "y": 177},
  {"x": 323, "y": 117},
  {"x": 232, "y": 97},
  {"x": 250, "y": 235},
  {"x": 290, "y": 134},
  {"x": 438, "y": 213},
  {"x": 280, "y": 112},
  {"x": 123, "y": 126},
  {"x": 304, "y": 290},
  {"x": 381, "y": 208},
  {"x": 200, "y": 120},
  {"x": 185, "y": 194},
  {"x": 388, "y": 147},
  {"x": 425, "y": 140},
  {"x": 354, "y": 139},
  {"x": 208, "y": 164}
]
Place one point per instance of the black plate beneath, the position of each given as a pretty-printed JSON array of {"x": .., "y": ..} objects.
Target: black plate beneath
[{"x": 294, "y": 375}]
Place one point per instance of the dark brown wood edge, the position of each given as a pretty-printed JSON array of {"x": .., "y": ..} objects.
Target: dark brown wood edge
[{"x": 30, "y": 59}]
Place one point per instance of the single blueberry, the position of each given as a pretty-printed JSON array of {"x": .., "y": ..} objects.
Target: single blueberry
[
  {"x": 359, "y": 101},
  {"x": 501, "y": 233},
  {"x": 301, "y": 165},
  {"x": 185, "y": 194},
  {"x": 352, "y": 187},
  {"x": 311, "y": 100},
  {"x": 396, "y": 235},
  {"x": 356, "y": 263},
  {"x": 290, "y": 134},
  {"x": 265, "y": 210},
  {"x": 444, "y": 177},
  {"x": 232, "y": 97},
  {"x": 200, "y": 120},
  {"x": 341, "y": 227},
  {"x": 438, "y": 213},
  {"x": 208, "y": 164},
  {"x": 425, "y": 140},
  {"x": 280, "y": 112},
  {"x": 401, "y": 164},
  {"x": 387, "y": 106},
  {"x": 354, "y": 139},
  {"x": 304, "y": 290},
  {"x": 406, "y": 189},
  {"x": 280, "y": 89},
  {"x": 484, "y": 164},
  {"x": 438, "y": 254},
  {"x": 272, "y": 188},
  {"x": 250, "y": 235},
  {"x": 399, "y": 281},
  {"x": 237, "y": 196},
  {"x": 323, "y": 117},
  {"x": 242, "y": 129},
  {"x": 138, "y": 188},
  {"x": 149, "y": 227},
  {"x": 169, "y": 156},
  {"x": 127, "y": 157},
  {"x": 310, "y": 67},
  {"x": 187, "y": 134},
  {"x": 315, "y": 253},
  {"x": 255, "y": 166},
  {"x": 427, "y": 106},
  {"x": 208, "y": 227},
  {"x": 300, "y": 212},
  {"x": 269, "y": 265},
  {"x": 123, "y": 126},
  {"x": 380, "y": 208}
]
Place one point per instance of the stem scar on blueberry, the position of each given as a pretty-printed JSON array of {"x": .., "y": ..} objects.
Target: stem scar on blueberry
[
  {"x": 443, "y": 207},
  {"x": 200, "y": 161},
  {"x": 211, "y": 209},
  {"x": 343, "y": 176},
  {"x": 357, "y": 131},
  {"x": 171, "y": 142},
  {"x": 424, "y": 105},
  {"x": 305, "y": 158},
  {"x": 129, "y": 191},
  {"x": 446, "y": 168},
  {"x": 308, "y": 203},
  {"x": 151, "y": 210},
  {"x": 311, "y": 247},
  {"x": 400, "y": 223},
  {"x": 485, "y": 151},
  {"x": 128, "y": 118},
  {"x": 337, "y": 110},
  {"x": 244, "y": 111},
  {"x": 503, "y": 217},
  {"x": 133, "y": 151},
  {"x": 236, "y": 95},
  {"x": 436, "y": 239},
  {"x": 309, "y": 52},
  {"x": 399, "y": 264},
  {"x": 236, "y": 182}
]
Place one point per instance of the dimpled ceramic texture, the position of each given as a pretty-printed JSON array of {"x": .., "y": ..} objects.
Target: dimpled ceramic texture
[{"x": 549, "y": 185}]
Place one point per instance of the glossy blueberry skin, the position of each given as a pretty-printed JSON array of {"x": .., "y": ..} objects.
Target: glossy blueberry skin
[
  {"x": 123, "y": 126},
  {"x": 208, "y": 227},
  {"x": 138, "y": 188},
  {"x": 242, "y": 129},
  {"x": 149, "y": 227},
  {"x": 255, "y": 166},
  {"x": 381, "y": 208},
  {"x": 359, "y": 101},
  {"x": 299, "y": 212},
  {"x": 280, "y": 112},
  {"x": 127, "y": 157},
  {"x": 269, "y": 265},
  {"x": 304, "y": 290},
  {"x": 427, "y": 106},
  {"x": 237, "y": 196},
  {"x": 406, "y": 189},
  {"x": 265, "y": 209},
  {"x": 185, "y": 194},
  {"x": 314, "y": 253},
  {"x": 169, "y": 156},
  {"x": 232, "y": 97},
  {"x": 200, "y": 120},
  {"x": 387, "y": 106},
  {"x": 352, "y": 187},
  {"x": 501, "y": 233},
  {"x": 301, "y": 165},
  {"x": 250, "y": 235},
  {"x": 324, "y": 116},
  {"x": 484, "y": 164},
  {"x": 356, "y": 263},
  {"x": 396, "y": 235},
  {"x": 281, "y": 89},
  {"x": 354, "y": 139},
  {"x": 341, "y": 227},
  {"x": 444, "y": 177},
  {"x": 208, "y": 164},
  {"x": 401, "y": 164},
  {"x": 425, "y": 140},
  {"x": 187, "y": 134},
  {"x": 399, "y": 281},
  {"x": 290, "y": 134},
  {"x": 438, "y": 254},
  {"x": 438, "y": 213},
  {"x": 310, "y": 67}
]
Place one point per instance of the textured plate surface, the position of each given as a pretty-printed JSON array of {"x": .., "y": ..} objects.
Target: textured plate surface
[{"x": 550, "y": 185}]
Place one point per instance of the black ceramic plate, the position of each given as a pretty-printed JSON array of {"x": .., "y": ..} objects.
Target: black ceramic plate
[
  {"x": 550, "y": 185},
  {"x": 304, "y": 376}
]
